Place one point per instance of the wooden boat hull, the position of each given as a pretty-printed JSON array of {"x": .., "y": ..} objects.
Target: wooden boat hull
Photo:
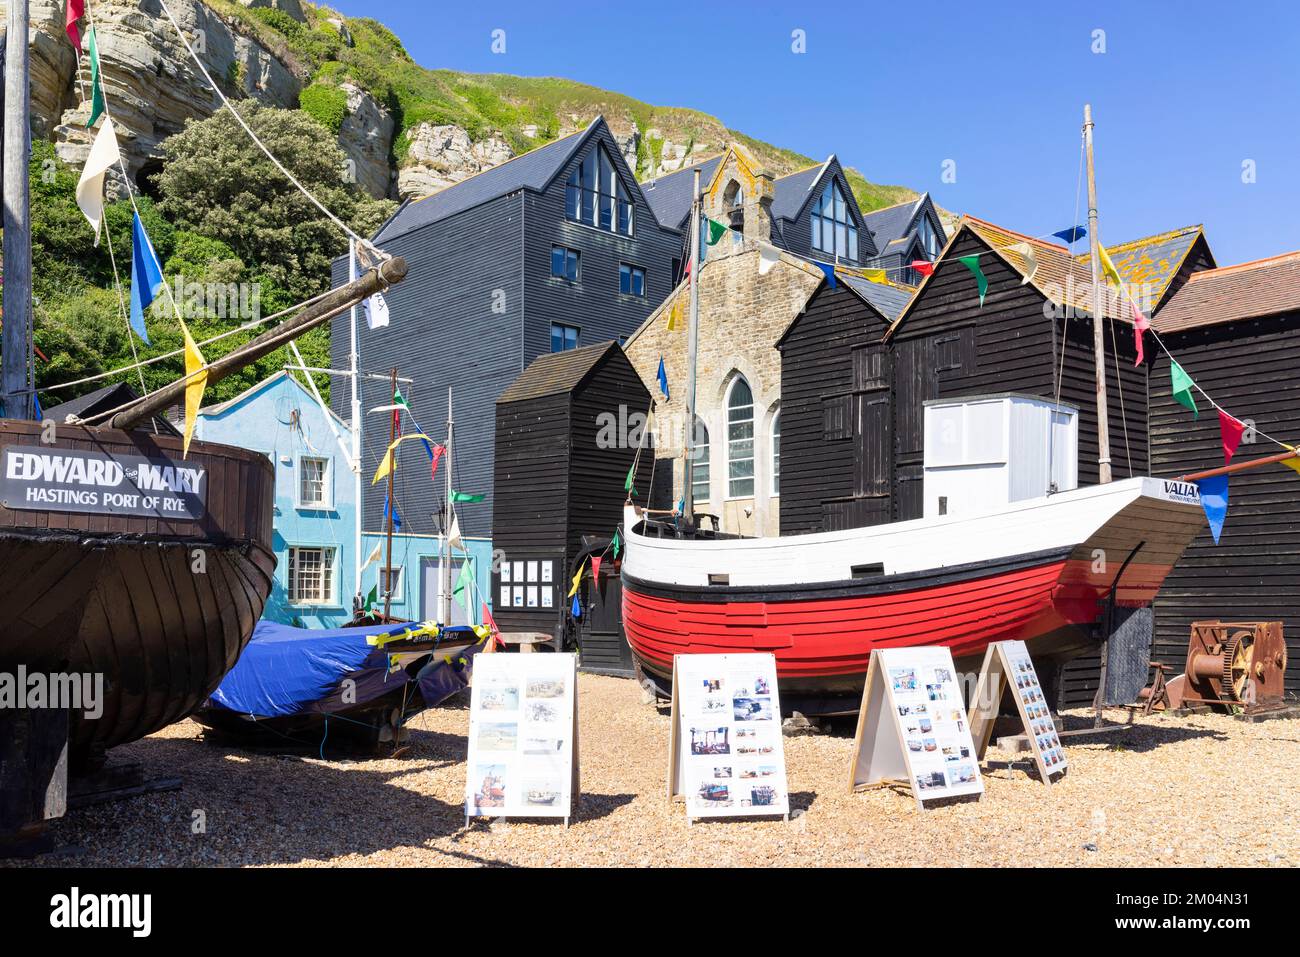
[
  {"x": 822, "y": 603},
  {"x": 159, "y": 605}
]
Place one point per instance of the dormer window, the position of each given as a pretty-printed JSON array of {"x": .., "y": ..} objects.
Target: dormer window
[
  {"x": 595, "y": 195},
  {"x": 833, "y": 230},
  {"x": 929, "y": 240}
]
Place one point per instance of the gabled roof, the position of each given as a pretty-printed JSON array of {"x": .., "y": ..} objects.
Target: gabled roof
[
  {"x": 532, "y": 170},
  {"x": 894, "y": 224},
  {"x": 221, "y": 408},
  {"x": 791, "y": 192},
  {"x": 670, "y": 196},
  {"x": 1231, "y": 293},
  {"x": 1150, "y": 264},
  {"x": 557, "y": 373},
  {"x": 888, "y": 299},
  {"x": 102, "y": 400}
]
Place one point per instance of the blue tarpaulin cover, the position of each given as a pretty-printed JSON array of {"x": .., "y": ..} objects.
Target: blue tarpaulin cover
[{"x": 286, "y": 670}]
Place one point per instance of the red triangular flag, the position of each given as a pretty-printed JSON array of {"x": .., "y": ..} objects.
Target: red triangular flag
[
  {"x": 438, "y": 450},
  {"x": 595, "y": 568},
  {"x": 1140, "y": 325},
  {"x": 492, "y": 625},
  {"x": 923, "y": 266},
  {"x": 76, "y": 10},
  {"x": 1231, "y": 431}
]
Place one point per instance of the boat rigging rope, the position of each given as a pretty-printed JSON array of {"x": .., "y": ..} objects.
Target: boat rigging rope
[
  {"x": 347, "y": 230},
  {"x": 1065, "y": 324},
  {"x": 1119, "y": 387}
]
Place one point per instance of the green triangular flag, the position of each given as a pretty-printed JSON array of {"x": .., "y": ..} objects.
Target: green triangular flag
[
  {"x": 372, "y": 599},
  {"x": 972, "y": 263},
  {"x": 467, "y": 497},
  {"x": 716, "y": 229},
  {"x": 627, "y": 485},
  {"x": 96, "y": 88},
  {"x": 616, "y": 543},
  {"x": 1181, "y": 384},
  {"x": 399, "y": 399}
]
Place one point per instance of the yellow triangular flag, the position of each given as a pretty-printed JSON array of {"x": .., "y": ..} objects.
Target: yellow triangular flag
[
  {"x": 196, "y": 368},
  {"x": 674, "y": 315},
  {"x": 874, "y": 275},
  {"x": 577, "y": 578},
  {"x": 1108, "y": 268},
  {"x": 386, "y": 465},
  {"x": 1292, "y": 464}
]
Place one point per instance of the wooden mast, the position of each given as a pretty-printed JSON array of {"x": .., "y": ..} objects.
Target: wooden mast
[
  {"x": 392, "y": 505},
  {"x": 448, "y": 517},
  {"x": 692, "y": 340},
  {"x": 1098, "y": 310},
  {"x": 14, "y": 378}
]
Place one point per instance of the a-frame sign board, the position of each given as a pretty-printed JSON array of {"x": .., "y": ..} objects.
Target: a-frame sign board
[
  {"x": 726, "y": 755},
  {"x": 912, "y": 727},
  {"x": 1007, "y": 667},
  {"x": 523, "y": 737}
]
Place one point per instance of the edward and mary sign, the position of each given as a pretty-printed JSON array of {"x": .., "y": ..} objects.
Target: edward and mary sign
[{"x": 73, "y": 480}]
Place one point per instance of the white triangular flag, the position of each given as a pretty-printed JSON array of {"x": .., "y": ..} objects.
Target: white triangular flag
[
  {"x": 374, "y": 557},
  {"x": 456, "y": 540},
  {"x": 1031, "y": 261},
  {"x": 768, "y": 256},
  {"x": 90, "y": 188},
  {"x": 376, "y": 311}
]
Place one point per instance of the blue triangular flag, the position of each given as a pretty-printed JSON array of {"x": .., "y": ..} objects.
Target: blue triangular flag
[
  {"x": 663, "y": 378},
  {"x": 575, "y": 609},
  {"x": 397, "y": 519},
  {"x": 1071, "y": 235},
  {"x": 36, "y": 405},
  {"x": 1214, "y": 499},
  {"x": 146, "y": 275},
  {"x": 829, "y": 269}
]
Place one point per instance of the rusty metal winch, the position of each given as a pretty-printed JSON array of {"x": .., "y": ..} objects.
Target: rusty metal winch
[{"x": 1229, "y": 665}]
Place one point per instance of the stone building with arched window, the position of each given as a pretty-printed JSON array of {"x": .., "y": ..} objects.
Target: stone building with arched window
[{"x": 754, "y": 281}]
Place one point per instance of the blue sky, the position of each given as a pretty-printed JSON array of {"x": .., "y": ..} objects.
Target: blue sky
[{"x": 1183, "y": 95}]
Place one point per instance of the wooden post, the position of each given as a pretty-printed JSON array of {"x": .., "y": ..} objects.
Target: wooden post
[
  {"x": 692, "y": 340},
  {"x": 387, "y": 572},
  {"x": 17, "y": 221},
  {"x": 1098, "y": 310}
]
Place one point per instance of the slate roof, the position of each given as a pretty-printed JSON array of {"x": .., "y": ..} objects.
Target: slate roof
[
  {"x": 531, "y": 170},
  {"x": 888, "y": 298},
  {"x": 890, "y": 224},
  {"x": 102, "y": 400},
  {"x": 556, "y": 373},
  {"x": 790, "y": 192},
  {"x": 670, "y": 196},
  {"x": 1150, "y": 264},
  {"x": 1231, "y": 293}
]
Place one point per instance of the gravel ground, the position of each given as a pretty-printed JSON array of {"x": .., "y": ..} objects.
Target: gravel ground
[{"x": 1125, "y": 801}]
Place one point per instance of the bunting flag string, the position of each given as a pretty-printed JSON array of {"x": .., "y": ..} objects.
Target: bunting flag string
[
  {"x": 1181, "y": 385},
  {"x": 1230, "y": 430},
  {"x": 1214, "y": 499},
  {"x": 388, "y": 462},
  {"x": 973, "y": 264},
  {"x": 146, "y": 276},
  {"x": 663, "y": 378}
]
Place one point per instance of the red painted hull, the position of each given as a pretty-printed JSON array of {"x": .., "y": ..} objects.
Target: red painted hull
[{"x": 822, "y": 638}]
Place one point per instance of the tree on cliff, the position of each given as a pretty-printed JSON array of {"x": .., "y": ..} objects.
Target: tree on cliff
[{"x": 218, "y": 184}]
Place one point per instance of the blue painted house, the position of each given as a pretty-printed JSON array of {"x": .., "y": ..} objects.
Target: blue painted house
[{"x": 315, "y": 504}]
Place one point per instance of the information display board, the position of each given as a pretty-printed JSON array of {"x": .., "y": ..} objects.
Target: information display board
[
  {"x": 523, "y": 737},
  {"x": 1007, "y": 666},
  {"x": 726, "y": 756},
  {"x": 913, "y": 729}
]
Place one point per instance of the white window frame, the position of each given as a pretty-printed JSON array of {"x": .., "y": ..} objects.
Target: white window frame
[
  {"x": 703, "y": 456},
  {"x": 399, "y": 593},
  {"x": 775, "y": 441},
  {"x": 327, "y": 483},
  {"x": 329, "y": 566},
  {"x": 730, "y": 442},
  {"x": 833, "y": 207}
]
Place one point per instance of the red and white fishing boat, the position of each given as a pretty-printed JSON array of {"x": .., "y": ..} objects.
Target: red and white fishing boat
[{"x": 1040, "y": 570}]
